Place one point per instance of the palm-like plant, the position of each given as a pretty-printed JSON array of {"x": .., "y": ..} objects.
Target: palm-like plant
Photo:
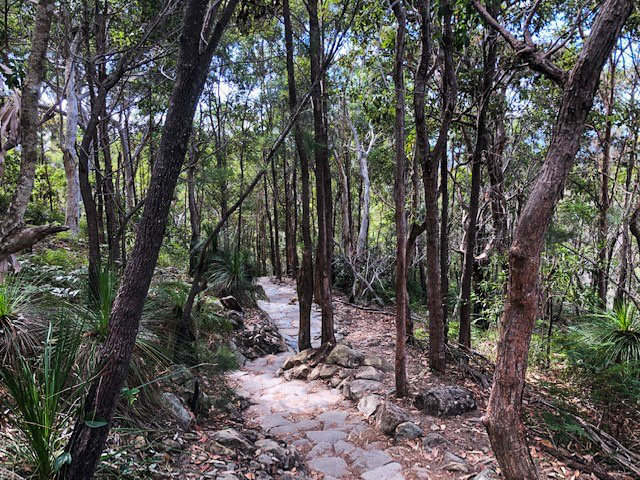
[
  {"x": 231, "y": 273},
  {"x": 614, "y": 335},
  {"x": 38, "y": 390},
  {"x": 16, "y": 329}
]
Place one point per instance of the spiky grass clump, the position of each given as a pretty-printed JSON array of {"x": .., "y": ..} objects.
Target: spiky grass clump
[
  {"x": 614, "y": 335},
  {"x": 230, "y": 272},
  {"x": 18, "y": 329},
  {"x": 41, "y": 392}
]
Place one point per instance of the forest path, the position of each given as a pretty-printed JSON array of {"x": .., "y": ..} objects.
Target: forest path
[{"x": 325, "y": 428}]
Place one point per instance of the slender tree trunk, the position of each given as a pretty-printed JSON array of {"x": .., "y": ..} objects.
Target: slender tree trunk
[
  {"x": 69, "y": 154},
  {"x": 276, "y": 223},
  {"x": 304, "y": 280},
  {"x": 87, "y": 441},
  {"x": 430, "y": 168},
  {"x": 504, "y": 415},
  {"x": 604, "y": 201},
  {"x": 444, "y": 242},
  {"x": 479, "y": 152},
  {"x": 399, "y": 196},
  {"x": 194, "y": 208},
  {"x": 323, "y": 177}
]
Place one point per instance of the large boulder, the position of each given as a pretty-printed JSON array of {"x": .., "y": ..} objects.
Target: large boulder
[
  {"x": 446, "y": 401},
  {"x": 389, "y": 416},
  {"x": 178, "y": 409},
  {"x": 345, "y": 357},
  {"x": 300, "y": 372}
]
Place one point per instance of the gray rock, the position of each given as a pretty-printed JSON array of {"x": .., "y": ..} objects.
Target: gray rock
[
  {"x": 181, "y": 375},
  {"x": 219, "y": 449},
  {"x": 328, "y": 436},
  {"x": 390, "y": 471},
  {"x": 323, "y": 371},
  {"x": 486, "y": 474},
  {"x": 345, "y": 357},
  {"x": 446, "y": 401},
  {"x": 378, "y": 362},
  {"x": 330, "y": 466},
  {"x": 369, "y": 404},
  {"x": 389, "y": 416},
  {"x": 356, "y": 389},
  {"x": 455, "y": 463},
  {"x": 433, "y": 440},
  {"x": 408, "y": 431},
  {"x": 265, "y": 459},
  {"x": 178, "y": 409},
  {"x": 299, "y": 372},
  {"x": 372, "y": 459},
  {"x": 344, "y": 448},
  {"x": 272, "y": 448},
  {"x": 240, "y": 358},
  {"x": 333, "y": 418},
  {"x": 322, "y": 449},
  {"x": 236, "y": 319},
  {"x": 370, "y": 373},
  {"x": 297, "y": 359},
  {"x": 227, "y": 476},
  {"x": 230, "y": 303},
  {"x": 232, "y": 438}
]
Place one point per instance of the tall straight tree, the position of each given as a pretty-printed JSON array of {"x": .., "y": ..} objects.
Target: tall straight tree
[
  {"x": 324, "y": 200},
  {"x": 399, "y": 195},
  {"x": 430, "y": 161},
  {"x": 480, "y": 151},
  {"x": 504, "y": 415},
  {"x": 200, "y": 35},
  {"x": 304, "y": 279}
]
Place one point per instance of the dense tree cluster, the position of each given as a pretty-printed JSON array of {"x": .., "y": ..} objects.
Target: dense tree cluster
[{"x": 472, "y": 163}]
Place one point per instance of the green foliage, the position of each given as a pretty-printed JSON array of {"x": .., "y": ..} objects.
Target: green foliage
[
  {"x": 38, "y": 390},
  {"x": 230, "y": 272},
  {"x": 17, "y": 330},
  {"x": 101, "y": 298},
  {"x": 606, "y": 350},
  {"x": 224, "y": 359}
]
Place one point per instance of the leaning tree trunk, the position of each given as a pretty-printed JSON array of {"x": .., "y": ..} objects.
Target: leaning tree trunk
[
  {"x": 504, "y": 414},
  {"x": 399, "y": 196},
  {"x": 323, "y": 177},
  {"x": 13, "y": 235},
  {"x": 194, "y": 58},
  {"x": 304, "y": 279}
]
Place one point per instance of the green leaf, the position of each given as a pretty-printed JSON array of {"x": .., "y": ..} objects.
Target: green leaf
[
  {"x": 61, "y": 460},
  {"x": 96, "y": 423}
]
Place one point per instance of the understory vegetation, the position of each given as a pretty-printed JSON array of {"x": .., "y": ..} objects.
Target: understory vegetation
[{"x": 469, "y": 168}]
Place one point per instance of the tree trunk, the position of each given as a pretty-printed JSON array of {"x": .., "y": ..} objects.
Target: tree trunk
[
  {"x": 479, "y": 152},
  {"x": 430, "y": 168},
  {"x": 323, "y": 176},
  {"x": 304, "y": 280},
  {"x": 276, "y": 223},
  {"x": 87, "y": 442},
  {"x": 504, "y": 415},
  {"x": 399, "y": 196},
  {"x": 194, "y": 208},
  {"x": 13, "y": 235},
  {"x": 68, "y": 147},
  {"x": 604, "y": 201}
]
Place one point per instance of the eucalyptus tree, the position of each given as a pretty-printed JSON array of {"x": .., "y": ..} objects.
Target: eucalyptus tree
[{"x": 504, "y": 415}]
